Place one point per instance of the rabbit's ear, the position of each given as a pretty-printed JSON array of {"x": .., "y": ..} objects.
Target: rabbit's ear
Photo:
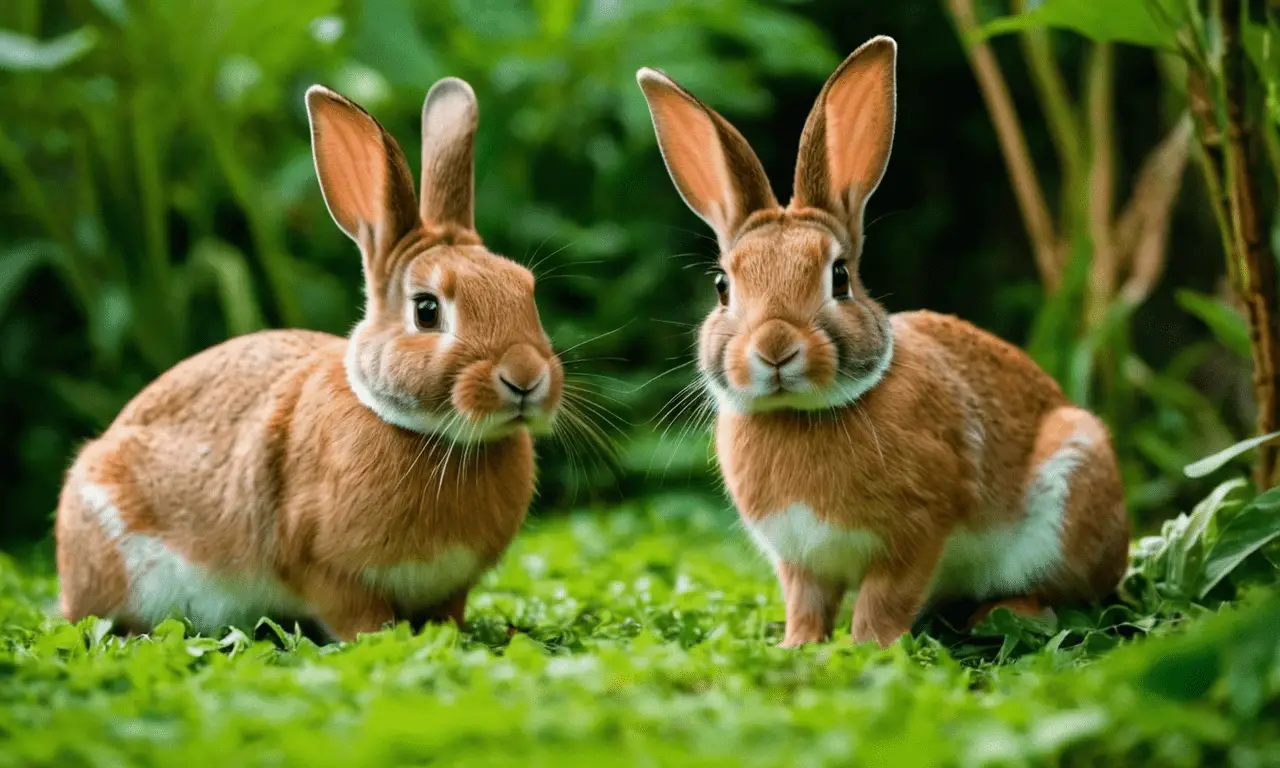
[
  {"x": 713, "y": 167},
  {"x": 363, "y": 174},
  {"x": 849, "y": 134},
  {"x": 449, "y": 119}
]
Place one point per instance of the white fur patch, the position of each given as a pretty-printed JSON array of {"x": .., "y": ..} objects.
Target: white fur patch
[
  {"x": 801, "y": 394},
  {"x": 1013, "y": 560},
  {"x": 424, "y": 584},
  {"x": 797, "y": 537},
  {"x": 448, "y": 424},
  {"x": 995, "y": 562},
  {"x": 164, "y": 584}
]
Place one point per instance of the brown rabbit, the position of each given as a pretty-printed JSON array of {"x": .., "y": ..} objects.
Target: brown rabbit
[
  {"x": 910, "y": 457},
  {"x": 352, "y": 481}
]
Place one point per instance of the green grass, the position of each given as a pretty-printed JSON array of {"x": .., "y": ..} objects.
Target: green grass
[{"x": 647, "y": 636}]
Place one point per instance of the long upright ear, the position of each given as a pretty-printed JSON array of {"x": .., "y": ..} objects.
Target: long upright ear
[
  {"x": 849, "y": 134},
  {"x": 449, "y": 119},
  {"x": 712, "y": 166},
  {"x": 363, "y": 174}
]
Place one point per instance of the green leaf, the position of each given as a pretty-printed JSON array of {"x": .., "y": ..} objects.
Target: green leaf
[
  {"x": 92, "y": 400},
  {"x": 20, "y": 53},
  {"x": 1054, "y": 327},
  {"x": 1243, "y": 534},
  {"x": 1186, "y": 553},
  {"x": 1103, "y": 335},
  {"x": 1186, "y": 674},
  {"x": 1229, "y": 328},
  {"x": 113, "y": 9},
  {"x": 1211, "y": 464},
  {"x": 1149, "y": 23},
  {"x": 17, "y": 264},
  {"x": 229, "y": 271}
]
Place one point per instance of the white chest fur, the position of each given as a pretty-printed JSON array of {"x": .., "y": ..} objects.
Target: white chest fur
[
  {"x": 797, "y": 537},
  {"x": 998, "y": 561},
  {"x": 424, "y": 584}
]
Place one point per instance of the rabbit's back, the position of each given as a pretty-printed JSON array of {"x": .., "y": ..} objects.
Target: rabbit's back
[{"x": 217, "y": 389}]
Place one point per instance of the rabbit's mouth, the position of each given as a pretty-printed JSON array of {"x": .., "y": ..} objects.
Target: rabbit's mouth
[{"x": 500, "y": 424}]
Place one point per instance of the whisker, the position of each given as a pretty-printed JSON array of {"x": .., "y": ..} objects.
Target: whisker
[
  {"x": 660, "y": 375},
  {"x": 582, "y": 360},
  {"x": 551, "y": 255},
  {"x": 609, "y": 418},
  {"x": 543, "y": 277},
  {"x": 533, "y": 267},
  {"x": 597, "y": 337},
  {"x": 581, "y": 391}
]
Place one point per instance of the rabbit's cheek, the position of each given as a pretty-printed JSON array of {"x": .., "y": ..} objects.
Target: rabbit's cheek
[
  {"x": 737, "y": 366},
  {"x": 473, "y": 393},
  {"x": 823, "y": 361}
]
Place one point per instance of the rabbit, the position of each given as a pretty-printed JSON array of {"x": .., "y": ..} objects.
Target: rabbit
[
  {"x": 912, "y": 457},
  {"x": 345, "y": 482}
]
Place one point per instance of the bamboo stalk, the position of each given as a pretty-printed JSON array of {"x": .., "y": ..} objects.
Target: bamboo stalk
[
  {"x": 1013, "y": 145},
  {"x": 1104, "y": 268},
  {"x": 1257, "y": 266}
]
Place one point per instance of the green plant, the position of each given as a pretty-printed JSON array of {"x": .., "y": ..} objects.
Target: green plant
[
  {"x": 1224, "y": 54},
  {"x": 1098, "y": 261},
  {"x": 647, "y": 634}
]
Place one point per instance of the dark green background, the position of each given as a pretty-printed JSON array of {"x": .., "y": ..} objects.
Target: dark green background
[{"x": 157, "y": 195}]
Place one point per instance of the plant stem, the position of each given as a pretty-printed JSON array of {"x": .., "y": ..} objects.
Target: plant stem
[
  {"x": 1101, "y": 191},
  {"x": 1252, "y": 250},
  {"x": 1013, "y": 145},
  {"x": 1059, "y": 112}
]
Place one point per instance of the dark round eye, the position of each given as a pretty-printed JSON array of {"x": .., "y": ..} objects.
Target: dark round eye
[
  {"x": 426, "y": 311},
  {"x": 722, "y": 288},
  {"x": 840, "y": 280}
]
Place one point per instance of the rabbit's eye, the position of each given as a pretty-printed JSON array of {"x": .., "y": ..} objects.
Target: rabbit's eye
[
  {"x": 840, "y": 280},
  {"x": 722, "y": 288},
  {"x": 426, "y": 311}
]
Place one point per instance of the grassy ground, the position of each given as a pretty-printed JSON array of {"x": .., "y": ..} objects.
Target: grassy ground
[{"x": 646, "y": 637}]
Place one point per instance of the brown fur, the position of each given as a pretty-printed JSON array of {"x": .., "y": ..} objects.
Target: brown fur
[
  {"x": 256, "y": 456},
  {"x": 948, "y": 439}
]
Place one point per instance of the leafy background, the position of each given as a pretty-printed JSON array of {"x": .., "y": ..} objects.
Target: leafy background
[{"x": 156, "y": 196}]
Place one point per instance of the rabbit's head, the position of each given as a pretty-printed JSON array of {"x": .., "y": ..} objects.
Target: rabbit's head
[
  {"x": 794, "y": 328},
  {"x": 450, "y": 343}
]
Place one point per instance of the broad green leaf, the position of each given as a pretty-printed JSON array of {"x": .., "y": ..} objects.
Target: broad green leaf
[
  {"x": 1244, "y": 533},
  {"x": 1229, "y": 328},
  {"x": 19, "y": 53},
  {"x": 1149, "y": 23},
  {"x": 1185, "y": 675},
  {"x": 1186, "y": 554},
  {"x": 1211, "y": 464}
]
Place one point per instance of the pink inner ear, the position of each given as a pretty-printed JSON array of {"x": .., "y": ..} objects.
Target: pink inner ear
[
  {"x": 352, "y": 164},
  {"x": 859, "y": 114},
  {"x": 691, "y": 148}
]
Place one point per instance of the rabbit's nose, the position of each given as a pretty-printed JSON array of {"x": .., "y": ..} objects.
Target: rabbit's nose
[
  {"x": 523, "y": 377},
  {"x": 520, "y": 391},
  {"x": 785, "y": 358}
]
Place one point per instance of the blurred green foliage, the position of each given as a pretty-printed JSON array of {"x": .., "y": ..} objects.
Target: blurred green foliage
[{"x": 157, "y": 195}]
